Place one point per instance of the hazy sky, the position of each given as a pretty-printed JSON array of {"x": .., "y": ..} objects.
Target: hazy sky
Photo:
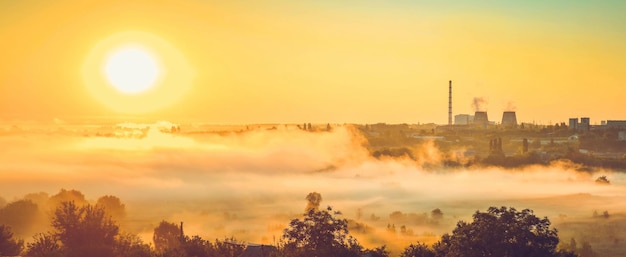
[{"x": 319, "y": 61}]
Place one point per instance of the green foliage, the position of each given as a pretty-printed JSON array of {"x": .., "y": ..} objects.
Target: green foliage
[
  {"x": 225, "y": 248},
  {"x": 320, "y": 233},
  {"x": 132, "y": 245},
  {"x": 167, "y": 237},
  {"x": 113, "y": 206},
  {"x": 377, "y": 252},
  {"x": 501, "y": 232},
  {"x": 418, "y": 250},
  {"x": 20, "y": 216},
  {"x": 9, "y": 246},
  {"x": 84, "y": 231},
  {"x": 44, "y": 245}
]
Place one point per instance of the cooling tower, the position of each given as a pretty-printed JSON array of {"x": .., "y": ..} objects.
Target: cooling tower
[
  {"x": 509, "y": 119},
  {"x": 480, "y": 119}
]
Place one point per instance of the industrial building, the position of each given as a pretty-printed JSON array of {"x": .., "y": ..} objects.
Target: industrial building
[
  {"x": 463, "y": 119},
  {"x": 481, "y": 119},
  {"x": 509, "y": 119}
]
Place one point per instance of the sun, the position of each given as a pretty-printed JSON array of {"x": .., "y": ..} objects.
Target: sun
[
  {"x": 131, "y": 70},
  {"x": 136, "y": 72}
]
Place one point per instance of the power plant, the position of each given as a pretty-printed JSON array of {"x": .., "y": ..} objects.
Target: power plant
[
  {"x": 509, "y": 119},
  {"x": 480, "y": 119},
  {"x": 450, "y": 103}
]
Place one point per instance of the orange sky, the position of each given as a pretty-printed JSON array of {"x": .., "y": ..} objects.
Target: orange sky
[{"x": 320, "y": 61}]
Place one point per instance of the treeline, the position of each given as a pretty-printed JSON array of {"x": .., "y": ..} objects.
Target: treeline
[{"x": 83, "y": 229}]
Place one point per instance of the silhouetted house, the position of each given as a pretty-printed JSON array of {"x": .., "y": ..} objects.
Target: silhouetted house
[{"x": 258, "y": 251}]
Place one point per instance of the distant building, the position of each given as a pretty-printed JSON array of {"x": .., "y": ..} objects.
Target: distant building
[
  {"x": 573, "y": 123},
  {"x": 463, "y": 119},
  {"x": 509, "y": 120},
  {"x": 481, "y": 119},
  {"x": 616, "y": 124},
  {"x": 583, "y": 126}
]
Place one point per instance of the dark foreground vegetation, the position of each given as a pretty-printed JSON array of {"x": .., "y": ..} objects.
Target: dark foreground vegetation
[{"x": 79, "y": 230}]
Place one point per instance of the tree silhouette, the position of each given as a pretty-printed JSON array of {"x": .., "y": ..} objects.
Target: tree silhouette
[
  {"x": 313, "y": 201},
  {"x": 67, "y": 196},
  {"x": 113, "y": 206},
  {"x": 132, "y": 245},
  {"x": 44, "y": 245},
  {"x": 167, "y": 237},
  {"x": 320, "y": 233},
  {"x": 20, "y": 215},
  {"x": 9, "y": 246},
  {"x": 436, "y": 214},
  {"x": 417, "y": 250},
  {"x": 377, "y": 252},
  {"x": 501, "y": 232},
  {"x": 84, "y": 231}
]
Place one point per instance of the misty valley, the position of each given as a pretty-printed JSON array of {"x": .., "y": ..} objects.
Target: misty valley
[{"x": 193, "y": 189}]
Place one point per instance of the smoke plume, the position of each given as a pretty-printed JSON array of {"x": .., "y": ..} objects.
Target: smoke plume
[
  {"x": 479, "y": 104},
  {"x": 510, "y": 107}
]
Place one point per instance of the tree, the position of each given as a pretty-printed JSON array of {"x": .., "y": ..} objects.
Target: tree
[
  {"x": 113, "y": 206},
  {"x": 320, "y": 233},
  {"x": 313, "y": 201},
  {"x": 198, "y": 247},
  {"x": 21, "y": 215},
  {"x": 436, "y": 214},
  {"x": 132, "y": 245},
  {"x": 9, "y": 246},
  {"x": 226, "y": 248},
  {"x": 417, "y": 250},
  {"x": 501, "y": 232},
  {"x": 377, "y": 252},
  {"x": 167, "y": 237},
  {"x": 586, "y": 251},
  {"x": 84, "y": 231},
  {"x": 44, "y": 245},
  {"x": 67, "y": 196}
]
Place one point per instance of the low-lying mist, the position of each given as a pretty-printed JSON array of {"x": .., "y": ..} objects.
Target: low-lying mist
[{"x": 248, "y": 184}]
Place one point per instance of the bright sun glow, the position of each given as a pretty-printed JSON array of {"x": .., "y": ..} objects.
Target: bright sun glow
[
  {"x": 131, "y": 70},
  {"x": 136, "y": 72}
]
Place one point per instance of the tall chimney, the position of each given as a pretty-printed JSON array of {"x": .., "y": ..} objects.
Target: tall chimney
[{"x": 450, "y": 103}]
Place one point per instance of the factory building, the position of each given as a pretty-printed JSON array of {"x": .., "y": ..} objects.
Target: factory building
[
  {"x": 463, "y": 119},
  {"x": 509, "y": 120},
  {"x": 481, "y": 119}
]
